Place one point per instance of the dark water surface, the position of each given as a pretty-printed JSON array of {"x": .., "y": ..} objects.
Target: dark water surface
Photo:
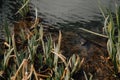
[
  {"x": 65, "y": 14},
  {"x": 70, "y": 14},
  {"x": 7, "y": 8}
]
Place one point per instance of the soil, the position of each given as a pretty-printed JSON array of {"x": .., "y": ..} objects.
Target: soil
[{"x": 97, "y": 62}]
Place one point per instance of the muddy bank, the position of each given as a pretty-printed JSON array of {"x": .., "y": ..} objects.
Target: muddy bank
[{"x": 97, "y": 62}]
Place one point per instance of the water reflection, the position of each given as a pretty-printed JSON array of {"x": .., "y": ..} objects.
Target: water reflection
[
  {"x": 60, "y": 12},
  {"x": 7, "y": 10},
  {"x": 66, "y": 14}
]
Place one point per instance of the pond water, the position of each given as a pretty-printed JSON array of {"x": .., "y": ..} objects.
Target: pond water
[
  {"x": 6, "y": 10},
  {"x": 7, "y": 13},
  {"x": 65, "y": 14},
  {"x": 71, "y": 14}
]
